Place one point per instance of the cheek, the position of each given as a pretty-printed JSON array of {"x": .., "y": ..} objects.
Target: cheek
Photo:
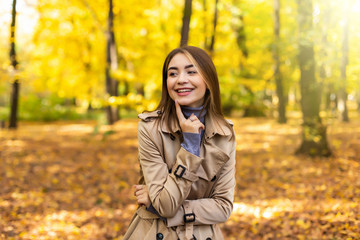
[
  {"x": 203, "y": 88},
  {"x": 169, "y": 86}
]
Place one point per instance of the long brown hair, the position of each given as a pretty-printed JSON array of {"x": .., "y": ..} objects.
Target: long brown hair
[{"x": 206, "y": 68}]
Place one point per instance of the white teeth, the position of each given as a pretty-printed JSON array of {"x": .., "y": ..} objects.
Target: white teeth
[{"x": 183, "y": 90}]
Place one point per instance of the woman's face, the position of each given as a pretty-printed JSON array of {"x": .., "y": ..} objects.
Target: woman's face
[{"x": 184, "y": 82}]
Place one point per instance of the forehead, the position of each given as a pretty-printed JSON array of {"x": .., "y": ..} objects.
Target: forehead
[{"x": 180, "y": 60}]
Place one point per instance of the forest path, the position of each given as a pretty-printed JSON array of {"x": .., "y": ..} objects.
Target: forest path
[{"x": 72, "y": 180}]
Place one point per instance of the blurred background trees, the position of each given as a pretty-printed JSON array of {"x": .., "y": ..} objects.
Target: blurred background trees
[
  {"x": 82, "y": 57},
  {"x": 314, "y": 132}
]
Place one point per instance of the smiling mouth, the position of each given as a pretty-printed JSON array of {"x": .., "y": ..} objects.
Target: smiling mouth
[{"x": 183, "y": 90}]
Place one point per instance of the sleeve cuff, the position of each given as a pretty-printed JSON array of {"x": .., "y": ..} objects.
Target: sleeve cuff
[
  {"x": 186, "y": 165},
  {"x": 192, "y": 143},
  {"x": 190, "y": 161},
  {"x": 176, "y": 220}
]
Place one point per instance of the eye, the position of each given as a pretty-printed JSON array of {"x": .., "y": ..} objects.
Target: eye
[
  {"x": 192, "y": 72},
  {"x": 172, "y": 74}
]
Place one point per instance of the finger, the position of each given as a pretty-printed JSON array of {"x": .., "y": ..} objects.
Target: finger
[
  {"x": 200, "y": 126},
  {"x": 138, "y": 198},
  {"x": 193, "y": 118},
  {"x": 142, "y": 200},
  {"x": 138, "y": 187},
  {"x": 137, "y": 192},
  {"x": 141, "y": 192},
  {"x": 179, "y": 112}
]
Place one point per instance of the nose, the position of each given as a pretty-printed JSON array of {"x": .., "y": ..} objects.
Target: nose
[{"x": 182, "y": 78}]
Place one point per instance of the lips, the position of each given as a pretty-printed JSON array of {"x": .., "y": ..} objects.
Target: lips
[{"x": 183, "y": 90}]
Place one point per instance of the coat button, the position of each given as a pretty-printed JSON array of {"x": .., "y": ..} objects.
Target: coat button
[{"x": 159, "y": 236}]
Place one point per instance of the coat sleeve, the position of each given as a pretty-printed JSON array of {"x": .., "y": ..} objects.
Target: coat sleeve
[
  {"x": 167, "y": 191},
  {"x": 218, "y": 207}
]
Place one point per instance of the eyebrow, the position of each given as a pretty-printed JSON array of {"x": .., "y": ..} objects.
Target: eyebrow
[{"x": 187, "y": 66}]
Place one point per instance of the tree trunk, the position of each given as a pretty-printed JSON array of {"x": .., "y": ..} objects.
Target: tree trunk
[
  {"x": 212, "y": 42},
  {"x": 241, "y": 37},
  {"x": 186, "y": 23},
  {"x": 140, "y": 89},
  {"x": 324, "y": 72},
  {"x": 14, "y": 99},
  {"x": 241, "y": 42},
  {"x": 342, "y": 106},
  {"x": 276, "y": 57},
  {"x": 314, "y": 142},
  {"x": 112, "y": 111},
  {"x": 205, "y": 25}
]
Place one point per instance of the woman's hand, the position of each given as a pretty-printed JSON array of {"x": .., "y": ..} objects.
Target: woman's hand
[
  {"x": 142, "y": 195},
  {"x": 191, "y": 125}
]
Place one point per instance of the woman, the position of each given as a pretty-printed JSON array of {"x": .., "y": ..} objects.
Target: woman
[{"x": 186, "y": 154}]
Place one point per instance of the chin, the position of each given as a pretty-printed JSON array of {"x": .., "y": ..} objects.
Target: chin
[{"x": 184, "y": 102}]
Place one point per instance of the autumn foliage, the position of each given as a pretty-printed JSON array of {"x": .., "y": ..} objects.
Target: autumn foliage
[
  {"x": 68, "y": 180},
  {"x": 280, "y": 59}
]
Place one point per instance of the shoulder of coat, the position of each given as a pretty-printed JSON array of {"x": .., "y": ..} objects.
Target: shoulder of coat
[
  {"x": 230, "y": 122},
  {"x": 149, "y": 116}
]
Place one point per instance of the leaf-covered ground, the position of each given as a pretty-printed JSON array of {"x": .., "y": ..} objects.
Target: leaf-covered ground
[{"x": 72, "y": 181}]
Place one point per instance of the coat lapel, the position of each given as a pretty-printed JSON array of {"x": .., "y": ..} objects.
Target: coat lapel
[
  {"x": 214, "y": 157},
  {"x": 214, "y": 160}
]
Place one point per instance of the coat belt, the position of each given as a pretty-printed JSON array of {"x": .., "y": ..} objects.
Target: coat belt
[{"x": 189, "y": 226}]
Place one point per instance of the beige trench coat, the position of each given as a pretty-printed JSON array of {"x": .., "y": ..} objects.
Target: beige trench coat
[{"x": 182, "y": 186}]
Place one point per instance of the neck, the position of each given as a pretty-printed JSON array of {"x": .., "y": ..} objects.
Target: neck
[{"x": 199, "y": 112}]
